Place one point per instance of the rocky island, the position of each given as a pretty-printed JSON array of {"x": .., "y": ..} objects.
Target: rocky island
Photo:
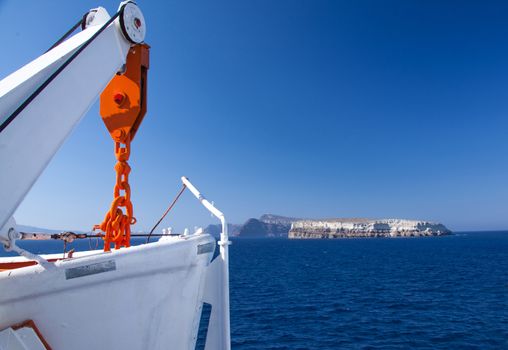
[
  {"x": 352, "y": 228},
  {"x": 276, "y": 226}
]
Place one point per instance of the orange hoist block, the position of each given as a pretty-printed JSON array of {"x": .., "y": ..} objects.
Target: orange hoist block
[
  {"x": 123, "y": 106},
  {"x": 123, "y": 101}
]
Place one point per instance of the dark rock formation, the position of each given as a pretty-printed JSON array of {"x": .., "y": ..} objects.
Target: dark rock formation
[
  {"x": 267, "y": 225},
  {"x": 215, "y": 229}
]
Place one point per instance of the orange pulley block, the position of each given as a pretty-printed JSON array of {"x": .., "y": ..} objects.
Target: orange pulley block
[{"x": 122, "y": 107}]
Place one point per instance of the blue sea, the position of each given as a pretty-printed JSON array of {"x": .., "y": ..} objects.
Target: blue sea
[
  {"x": 409, "y": 293},
  {"x": 375, "y": 293}
]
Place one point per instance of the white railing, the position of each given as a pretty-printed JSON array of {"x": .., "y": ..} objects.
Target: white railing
[{"x": 224, "y": 341}]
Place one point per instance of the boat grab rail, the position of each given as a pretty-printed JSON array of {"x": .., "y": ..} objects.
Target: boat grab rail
[
  {"x": 224, "y": 237},
  {"x": 221, "y": 340}
]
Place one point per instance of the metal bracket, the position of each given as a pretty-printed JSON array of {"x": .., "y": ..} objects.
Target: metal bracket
[{"x": 9, "y": 244}]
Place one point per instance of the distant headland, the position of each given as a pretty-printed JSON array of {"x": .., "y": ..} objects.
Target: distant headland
[
  {"x": 273, "y": 226},
  {"x": 351, "y": 228}
]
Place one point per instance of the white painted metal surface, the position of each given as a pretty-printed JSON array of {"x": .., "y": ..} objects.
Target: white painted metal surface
[
  {"x": 29, "y": 142},
  {"x": 21, "y": 339}
]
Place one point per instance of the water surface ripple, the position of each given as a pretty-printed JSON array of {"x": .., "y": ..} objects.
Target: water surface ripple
[{"x": 413, "y": 293}]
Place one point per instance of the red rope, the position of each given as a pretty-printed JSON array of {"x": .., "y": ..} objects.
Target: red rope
[{"x": 166, "y": 212}]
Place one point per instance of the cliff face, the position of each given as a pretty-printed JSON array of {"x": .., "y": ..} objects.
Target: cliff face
[
  {"x": 277, "y": 219},
  {"x": 350, "y": 228},
  {"x": 216, "y": 229},
  {"x": 267, "y": 225}
]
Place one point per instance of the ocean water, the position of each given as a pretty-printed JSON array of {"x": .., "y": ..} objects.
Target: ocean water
[{"x": 408, "y": 293}]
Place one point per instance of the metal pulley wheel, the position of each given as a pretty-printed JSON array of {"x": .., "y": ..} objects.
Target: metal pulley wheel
[{"x": 132, "y": 23}]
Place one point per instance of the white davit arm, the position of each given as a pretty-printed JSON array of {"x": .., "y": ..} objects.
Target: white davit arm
[
  {"x": 216, "y": 212},
  {"x": 42, "y": 102},
  {"x": 217, "y": 282}
]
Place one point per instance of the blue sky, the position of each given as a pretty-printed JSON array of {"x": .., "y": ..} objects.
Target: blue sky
[{"x": 299, "y": 108}]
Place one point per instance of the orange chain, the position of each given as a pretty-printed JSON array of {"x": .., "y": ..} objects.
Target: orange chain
[{"x": 117, "y": 225}]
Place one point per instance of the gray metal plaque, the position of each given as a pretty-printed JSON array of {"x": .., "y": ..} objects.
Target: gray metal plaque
[
  {"x": 91, "y": 269},
  {"x": 206, "y": 248}
]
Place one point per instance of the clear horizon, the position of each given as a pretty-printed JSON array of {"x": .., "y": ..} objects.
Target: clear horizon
[{"x": 304, "y": 109}]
